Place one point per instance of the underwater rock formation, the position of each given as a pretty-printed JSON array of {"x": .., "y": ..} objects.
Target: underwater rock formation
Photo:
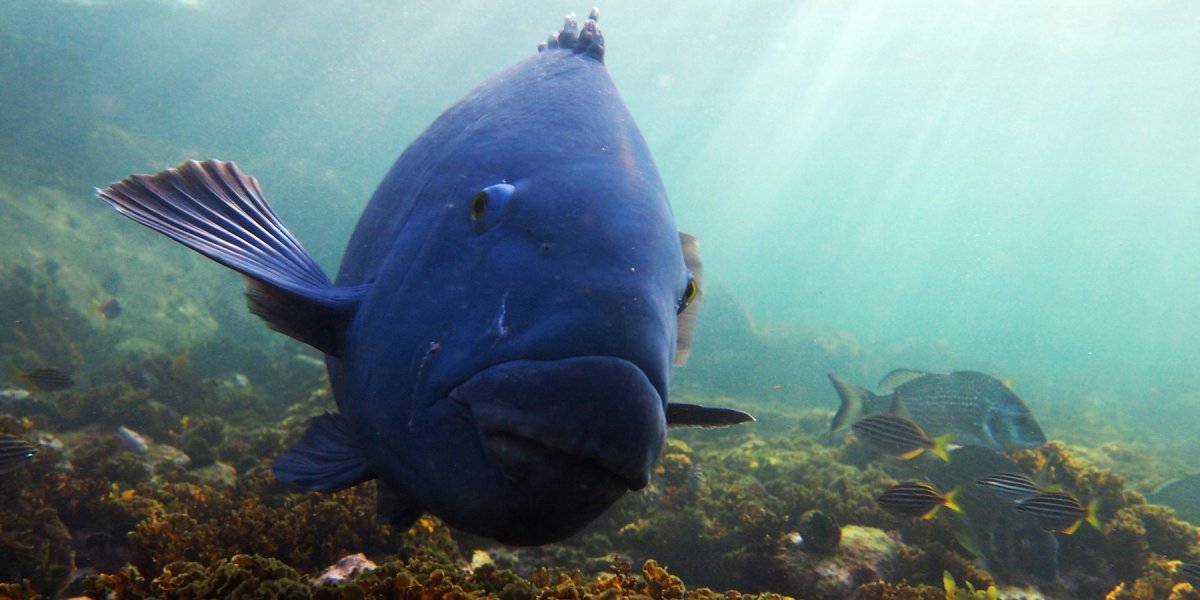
[{"x": 864, "y": 555}]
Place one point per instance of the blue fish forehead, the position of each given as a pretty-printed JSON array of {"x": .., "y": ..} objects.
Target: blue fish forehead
[{"x": 553, "y": 124}]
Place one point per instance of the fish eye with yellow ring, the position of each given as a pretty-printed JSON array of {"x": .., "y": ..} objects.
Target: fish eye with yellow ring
[{"x": 689, "y": 294}]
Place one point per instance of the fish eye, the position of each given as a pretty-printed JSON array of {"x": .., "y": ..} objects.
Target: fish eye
[
  {"x": 488, "y": 206},
  {"x": 689, "y": 294},
  {"x": 479, "y": 204}
]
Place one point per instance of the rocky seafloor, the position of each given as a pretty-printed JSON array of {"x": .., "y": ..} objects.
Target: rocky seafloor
[{"x": 152, "y": 480}]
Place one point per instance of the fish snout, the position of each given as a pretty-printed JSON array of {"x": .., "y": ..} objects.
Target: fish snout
[{"x": 568, "y": 419}]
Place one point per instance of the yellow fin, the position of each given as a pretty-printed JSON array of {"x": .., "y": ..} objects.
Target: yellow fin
[
  {"x": 948, "y": 499},
  {"x": 939, "y": 446},
  {"x": 1093, "y": 513}
]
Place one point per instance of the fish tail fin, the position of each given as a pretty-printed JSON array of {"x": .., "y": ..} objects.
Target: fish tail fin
[
  {"x": 1074, "y": 526},
  {"x": 1093, "y": 513},
  {"x": 941, "y": 446},
  {"x": 949, "y": 500},
  {"x": 853, "y": 400},
  {"x": 217, "y": 210}
]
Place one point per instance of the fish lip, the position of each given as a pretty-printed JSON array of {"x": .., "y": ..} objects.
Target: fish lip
[
  {"x": 513, "y": 454},
  {"x": 618, "y": 438}
]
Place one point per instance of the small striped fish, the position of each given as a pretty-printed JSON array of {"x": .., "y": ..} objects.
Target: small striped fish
[
  {"x": 1010, "y": 486},
  {"x": 1058, "y": 512},
  {"x": 916, "y": 499},
  {"x": 14, "y": 452},
  {"x": 47, "y": 379},
  {"x": 899, "y": 437}
]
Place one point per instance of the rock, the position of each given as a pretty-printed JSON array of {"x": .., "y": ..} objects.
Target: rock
[
  {"x": 864, "y": 554},
  {"x": 345, "y": 568}
]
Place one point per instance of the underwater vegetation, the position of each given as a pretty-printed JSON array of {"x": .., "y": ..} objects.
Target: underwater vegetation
[{"x": 152, "y": 480}]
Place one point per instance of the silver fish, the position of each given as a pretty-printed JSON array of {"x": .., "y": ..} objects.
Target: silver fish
[{"x": 979, "y": 409}]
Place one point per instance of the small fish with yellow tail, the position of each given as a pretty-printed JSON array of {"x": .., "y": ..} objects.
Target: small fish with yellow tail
[
  {"x": 1009, "y": 486},
  {"x": 916, "y": 499},
  {"x": 46, "y": 379},
  {"x": 899, "y": 437},
  {"x": 1060, "y": 512}
]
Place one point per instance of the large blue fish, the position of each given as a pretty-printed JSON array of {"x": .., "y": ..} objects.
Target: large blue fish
[{"x": 501, "y": 332}]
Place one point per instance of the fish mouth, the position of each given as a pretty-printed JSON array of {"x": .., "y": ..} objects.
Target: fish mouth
[{"x": 588, "y": 421}]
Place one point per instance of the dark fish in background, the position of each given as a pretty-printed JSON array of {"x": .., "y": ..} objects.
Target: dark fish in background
[
  {"x": 916, "y": 499},
  {"x": 47, "y": 379},
  {"x": 109, "y": 309},
  {"x": 1059, "y": 512},
  {"x": 1182, "y": 494},
  {"x": 501, "y": 331},
  {"x": 899, "y": 437},
  {"x": 14, "y": 452},
  {"x": 1009, "y": 486},
  {"x": 978, "y": 409},
  {"x": 1014, "y": 548}
]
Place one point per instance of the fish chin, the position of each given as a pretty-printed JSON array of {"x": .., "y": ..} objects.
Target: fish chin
[{"x": 590, "y": 422}]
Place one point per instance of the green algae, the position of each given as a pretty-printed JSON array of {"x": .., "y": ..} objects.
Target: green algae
[{"x": 719, "y": 511}]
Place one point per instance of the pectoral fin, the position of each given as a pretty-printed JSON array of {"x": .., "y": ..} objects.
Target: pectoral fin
[
  {"x": 326, "y": 459},
  {"x": 694, "y": 415},
  {"x": 394, "y": 507},
  {"x": 217, "y": 210}
]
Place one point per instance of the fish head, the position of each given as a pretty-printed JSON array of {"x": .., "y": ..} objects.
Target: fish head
[
  {"x": 514, "y": 354},
  {"x": 1012, "y": 425}
]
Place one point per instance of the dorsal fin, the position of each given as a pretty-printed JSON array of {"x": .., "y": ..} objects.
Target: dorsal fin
[
  {"x": 899, "y": 377},
  {"x": 898, "y": 408},
  {"x": 589, "y": 42},
  {"x": 686, "y": 321},
  {"x": 217, "y": 210}
]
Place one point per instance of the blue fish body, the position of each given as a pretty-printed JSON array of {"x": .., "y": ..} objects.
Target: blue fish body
[{"x": 501, "y": 331}]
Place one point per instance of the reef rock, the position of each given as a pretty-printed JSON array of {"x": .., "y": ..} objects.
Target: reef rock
[
  {"x": 345, "y": 568},
  {"x": 865, "y": 554}
]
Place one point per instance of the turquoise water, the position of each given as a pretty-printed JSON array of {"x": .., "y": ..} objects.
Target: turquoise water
[
  {"x": 1016, "y": 181},
  {"x": 1012, "y": 187},
  {"x": 1005, "y": 186}
]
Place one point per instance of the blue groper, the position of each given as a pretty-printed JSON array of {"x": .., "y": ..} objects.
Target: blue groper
[{"x": 501, "y": 332}]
